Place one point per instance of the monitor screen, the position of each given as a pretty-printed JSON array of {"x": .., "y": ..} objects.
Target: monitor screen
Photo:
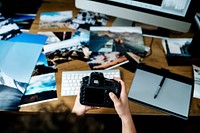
[
  {"x": 178, "y": 7},
  {"x": 176, "y": 15}
]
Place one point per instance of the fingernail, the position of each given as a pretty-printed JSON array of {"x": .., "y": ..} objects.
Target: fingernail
[{"x": 111, "y": 94}]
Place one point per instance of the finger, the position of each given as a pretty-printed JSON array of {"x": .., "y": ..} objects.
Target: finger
[
  {"x": 113, "y": 97},
  {"x": 122, "y": 85},
  {"x": 117, "y": 79}
]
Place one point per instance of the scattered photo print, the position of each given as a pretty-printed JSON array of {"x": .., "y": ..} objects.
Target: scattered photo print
[
  {"x": 83, "y": 35},
  {"x": 84, "y": 19},
  {"x": 196, "y": 73},
  {"x": 63, "y": 55},
  {"x": 52, "y": 20},
  {"x": 105, "y": 61},
  {"x": 11, "y": 92},
  {"x": 176, "y": 45},
  {"x": 41, "y": 88},
  {"x": 54, "y": 37},
  {"x": 8, "y": 29},
  {"x": 42, "y": 66},
  {"x": 17, "y": 62},
  {"x": 123, "y": 39},
  {"x": 24, "y": 21}
]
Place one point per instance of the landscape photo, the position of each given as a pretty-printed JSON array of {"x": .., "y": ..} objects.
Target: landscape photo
[
  {"x": 17, "y": 62},
  {"x": 52, "y": 20},
  {"x": 8, "y": 29},
  {"x": 41, "y": 88},
  {"x": 84, "y": 19},
  {"x": 24, "y": 21},
  {"x": 42, "y": 66},
  {"x": 107, "y": 60},
  {"x": 123, "y": 39},
  {"x": 54, "y": 37}
]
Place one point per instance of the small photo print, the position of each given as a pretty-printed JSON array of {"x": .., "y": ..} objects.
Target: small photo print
[
  {"x": 8, "y": 29},
  {"x": 62, "y": 51},
  {"x": 84, "y": 19},
  {"x": 83, "y": 35},
  {"x": 196, "y": 73},
  {"x": 176, "y": 45},
  {"x": 24, "y": 21},
  {"x": 54, "y": 37},
  {"x": 41, "y": 88},
  {"x": 42, "y": 66},
  {"x": 106, "y": 60},
  {"x": 52, "y": 20}
]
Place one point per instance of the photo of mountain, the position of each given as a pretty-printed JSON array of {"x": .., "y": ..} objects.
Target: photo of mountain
[
  {"x": 41, "y": 88},
  {"x": 123, "y": 39},
  {"x": 8, "y": 29},
  {"x": 17, "y": 62},
  {"x": 24, "y": 21},
  {"x": 54, "y": 37},
  {"x": 52, "y": 20},
  {"x": 42, "y": 66},
  {"x": 11, "y": 92},
  {"x": 106, "y": 60}
]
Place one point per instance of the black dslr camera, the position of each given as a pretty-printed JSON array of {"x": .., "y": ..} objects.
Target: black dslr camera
[{"x": 95, "y": 90}]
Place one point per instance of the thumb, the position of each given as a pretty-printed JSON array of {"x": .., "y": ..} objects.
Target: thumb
[{"x": 113, "y": 97}]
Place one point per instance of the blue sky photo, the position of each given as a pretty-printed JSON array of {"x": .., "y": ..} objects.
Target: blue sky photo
[{"x": 18, "y": 60}]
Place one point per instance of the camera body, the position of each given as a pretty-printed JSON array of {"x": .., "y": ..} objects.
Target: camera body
[{"x": 95, "y": 90}]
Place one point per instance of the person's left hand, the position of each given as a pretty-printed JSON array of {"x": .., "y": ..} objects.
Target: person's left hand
[{"x": 80, "y": 109}]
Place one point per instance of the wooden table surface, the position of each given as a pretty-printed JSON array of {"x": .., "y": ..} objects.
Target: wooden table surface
[{"x": 156, "y": 59}]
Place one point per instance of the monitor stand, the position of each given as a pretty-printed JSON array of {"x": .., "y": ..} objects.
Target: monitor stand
[
  {"x": 122, "y": 22},
  {"x": 147, "y": 30}
]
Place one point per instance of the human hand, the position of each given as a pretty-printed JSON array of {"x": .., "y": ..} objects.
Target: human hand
[
  {"x": 121, "y": 105},
  {"x": 80, "y": 109}
]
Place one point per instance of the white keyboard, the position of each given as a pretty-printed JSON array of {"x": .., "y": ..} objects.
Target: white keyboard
[{"x": 71, "y": 79}]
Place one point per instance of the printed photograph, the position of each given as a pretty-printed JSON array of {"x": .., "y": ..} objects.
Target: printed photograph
[
  {"x": 196, "y": 72},
  {"x": 41, "y": 88},
  {"x": 54, "y": 37},
  {"x": 83, "y": 35},
  {"x": 17, "y": 62},
  {"x": 84, "y": 19},
  {"x": 11, "y": 92},
  {"x": 62, "y": 51},
  {"x": 24, "y": 21},
  {"x": 42, "y": 66},
  {"x": 63, "y": 55},
  {"x": 8, "y": 29},
  {"x": 123, "y": 39},
  {"x": 52, "y": 20},
  {"x": 176, "y": 45},
  {"x": 106, "y": 60}
]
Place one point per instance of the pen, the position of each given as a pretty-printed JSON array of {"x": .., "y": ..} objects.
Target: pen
[{"x": 159, "y": 87}]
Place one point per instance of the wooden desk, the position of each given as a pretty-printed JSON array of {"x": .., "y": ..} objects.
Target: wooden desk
[{"x": 156, "y": 59}]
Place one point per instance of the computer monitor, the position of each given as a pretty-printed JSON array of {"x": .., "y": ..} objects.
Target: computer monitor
[{"x": 176, "y": 15}]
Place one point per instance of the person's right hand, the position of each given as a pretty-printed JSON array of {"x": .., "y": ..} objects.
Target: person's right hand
[
  {"x": 122, "y": 109},
  {"x": 121, "y": 105}
]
